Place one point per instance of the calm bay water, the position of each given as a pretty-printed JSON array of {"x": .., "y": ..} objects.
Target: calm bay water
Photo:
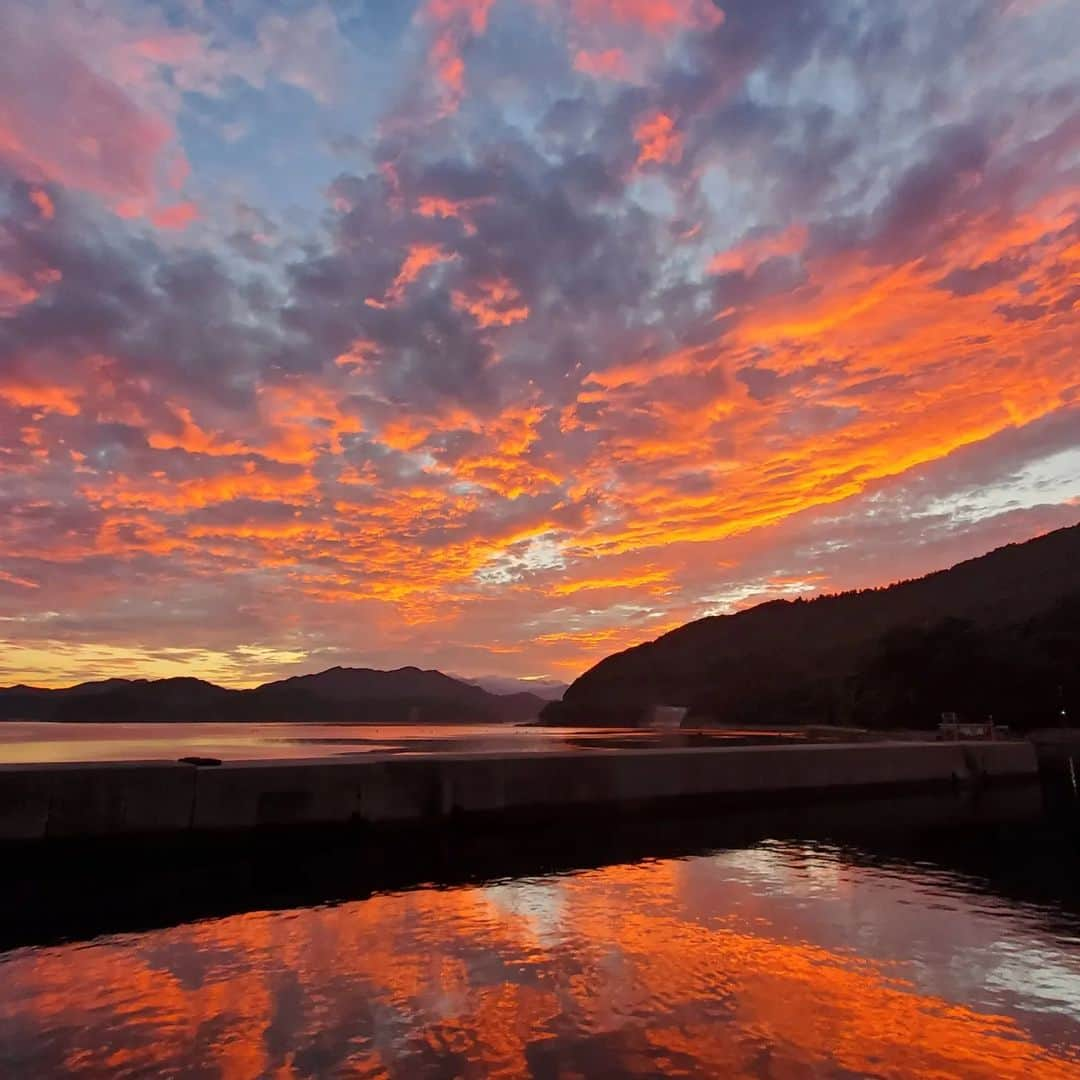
[
  {"x": 951, "y": 954},
  {"x": 24, "y": 741}
]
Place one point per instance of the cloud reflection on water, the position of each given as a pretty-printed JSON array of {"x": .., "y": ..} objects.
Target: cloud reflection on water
[{"x": 778, "y": 960}]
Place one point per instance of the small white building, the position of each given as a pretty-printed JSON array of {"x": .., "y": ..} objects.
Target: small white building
[
  {"x": 951, "y": 727},
  {"x": 664, "y": 716}
]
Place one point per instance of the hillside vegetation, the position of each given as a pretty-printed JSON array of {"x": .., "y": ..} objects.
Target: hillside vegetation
[{"x": 995, "y": 635}]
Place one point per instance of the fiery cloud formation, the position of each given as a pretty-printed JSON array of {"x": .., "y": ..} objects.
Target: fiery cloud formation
[
  {"x": 658, "y": 140},
  {"x": 499, "y": 335}
]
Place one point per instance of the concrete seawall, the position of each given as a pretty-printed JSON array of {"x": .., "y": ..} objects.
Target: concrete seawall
[{"x": 71, "y": 801}]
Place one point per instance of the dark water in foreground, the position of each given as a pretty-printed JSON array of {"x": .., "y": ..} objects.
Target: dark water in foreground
[{"x": 905, "y": 951}]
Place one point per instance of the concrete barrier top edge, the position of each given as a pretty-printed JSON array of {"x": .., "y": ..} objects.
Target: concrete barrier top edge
[
  {"x": 138, "y": 765},
  {"x": 437, "y": 757}
]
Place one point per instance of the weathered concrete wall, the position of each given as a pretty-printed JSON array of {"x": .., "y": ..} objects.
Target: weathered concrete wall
[
  {"x": 42, "y": 801},
  {"x": 38, "y": 801}
]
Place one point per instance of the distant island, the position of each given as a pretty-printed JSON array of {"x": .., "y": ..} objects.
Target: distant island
[
  {"x": 994, "y": 636},
  {"x": 355, "y": 695}
]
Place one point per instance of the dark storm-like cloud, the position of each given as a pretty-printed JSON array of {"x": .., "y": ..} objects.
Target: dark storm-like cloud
[{"x": 967, "y": 280}]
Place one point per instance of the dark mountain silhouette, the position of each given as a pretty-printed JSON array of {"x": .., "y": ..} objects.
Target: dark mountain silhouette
[
  {"x": 352, "y": 684},
  {"x": 427, "y": 695},
  {"x": 998, "y": 634},
  {"x": 112, "y": 699},
  {"x": 407, "y": 695}
]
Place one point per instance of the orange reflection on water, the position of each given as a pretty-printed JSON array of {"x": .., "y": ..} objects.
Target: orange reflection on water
[{"x": 693, "y": 967}]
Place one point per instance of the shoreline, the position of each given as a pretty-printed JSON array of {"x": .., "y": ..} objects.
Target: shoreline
[{"x": 123, "y": 800}]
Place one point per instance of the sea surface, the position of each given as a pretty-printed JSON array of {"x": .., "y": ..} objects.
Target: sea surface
[
  {"x": 24, "y": 741},
  {"x": 915, "y": 951}
]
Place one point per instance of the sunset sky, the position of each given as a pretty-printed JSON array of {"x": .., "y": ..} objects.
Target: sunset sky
[{"x": 497, "y": 335}]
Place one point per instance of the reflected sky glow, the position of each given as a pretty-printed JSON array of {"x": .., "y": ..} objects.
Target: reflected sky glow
[
  {"x": 34, "y": 741},
  {"x": 774, "y": 961}
]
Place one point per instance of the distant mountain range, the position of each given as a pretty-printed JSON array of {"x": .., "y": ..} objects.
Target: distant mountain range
[
  {"x": 995, "y": 635},
  {"x": 549, "y": 689},
  {"x": 406, "y": 695}
]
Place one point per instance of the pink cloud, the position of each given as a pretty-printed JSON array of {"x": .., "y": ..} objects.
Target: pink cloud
[
  {"x": 454, "y": 22},
  {"x": 88, "y": 100},
  {"x": 751, "y": 251},
  {"x": 606, "y": 63},
  {"x": 77, "y": 129},
  {"x": 17, "y": 290},
  {"x": 653, "y": 15},
  {"x": 63, "y": 122},
  {"x": 22, "y": 583},
  {"x": 178, "y": 216}
]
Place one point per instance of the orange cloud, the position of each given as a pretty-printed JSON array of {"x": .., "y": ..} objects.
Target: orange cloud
[
  {"x": 417, "y": 259},
  {"x": 40, "y": 198},
  {"x": 670, "y": 448},
  {"x": 404, "y": 434},
  {"x": 658, "y": 580},
  {"x": 492, "y": 303},
  {"x": 658, "y": 140},
  {"x": 150, "y": 493},
  {"x": 435, "y": 206},
  {"x": 40, "y": 396},
  {"x": 187, "y": 435},
  {"x": 356, "y": 358},
  {"x": 661, "y": 388},
  {"x": 302, "y": 420}
]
